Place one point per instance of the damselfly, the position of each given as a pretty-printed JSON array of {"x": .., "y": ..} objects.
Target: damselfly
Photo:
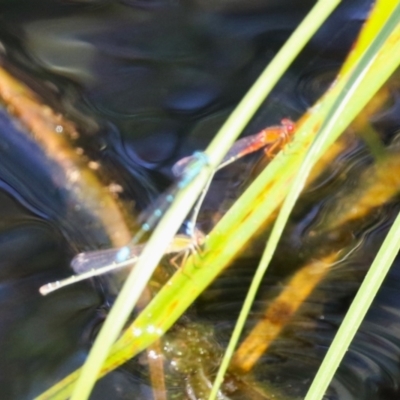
[{"x": 94, "y": 263}]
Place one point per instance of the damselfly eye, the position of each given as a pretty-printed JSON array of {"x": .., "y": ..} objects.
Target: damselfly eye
[{"x": 288, "y": 124}]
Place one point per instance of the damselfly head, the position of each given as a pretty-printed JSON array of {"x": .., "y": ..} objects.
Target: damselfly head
[{"x": 288, "y": 124}]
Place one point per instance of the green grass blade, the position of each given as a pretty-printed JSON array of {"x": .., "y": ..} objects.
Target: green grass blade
[
  {"x": 329, "y": 132},
  {"x": 357, "y": 311}
]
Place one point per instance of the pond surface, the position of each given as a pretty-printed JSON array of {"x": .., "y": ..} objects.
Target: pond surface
[{"x": 147, "y": 83}]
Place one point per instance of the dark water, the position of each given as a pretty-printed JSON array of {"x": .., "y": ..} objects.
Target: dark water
[{"x": 148, "y": 82}]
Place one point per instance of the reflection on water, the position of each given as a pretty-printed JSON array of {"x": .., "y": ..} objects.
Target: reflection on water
[
  {"x": 147, "y": 83},
  {"x": 32, "y": 343}
]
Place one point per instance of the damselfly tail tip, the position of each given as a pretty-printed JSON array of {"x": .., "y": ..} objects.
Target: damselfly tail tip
[{"x": 49, "y": 287}]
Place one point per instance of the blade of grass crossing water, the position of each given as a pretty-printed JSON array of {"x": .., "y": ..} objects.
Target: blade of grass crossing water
[{"x": 357, "y": 311}]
